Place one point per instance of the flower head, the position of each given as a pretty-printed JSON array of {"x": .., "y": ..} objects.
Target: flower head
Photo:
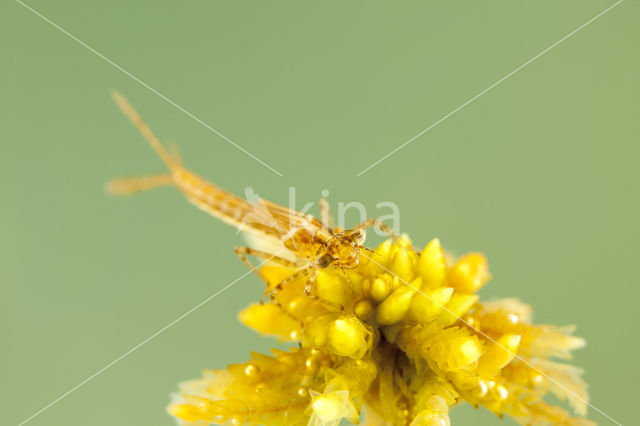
[{"x": 403, "y": 337}]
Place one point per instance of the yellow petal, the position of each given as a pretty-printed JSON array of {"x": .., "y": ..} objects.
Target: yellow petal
[
  {"x": 269, "y": 319},
  {"x": 273, "y": 274}
]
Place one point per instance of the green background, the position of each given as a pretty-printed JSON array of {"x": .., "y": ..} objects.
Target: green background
[{"x": 539, "y": 173}]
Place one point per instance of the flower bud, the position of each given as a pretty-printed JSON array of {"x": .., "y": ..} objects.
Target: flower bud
[
  {"x": 331, "y": 286},
  {"x": 431, "y": 264},
  {"x": 380, "y": 288},
  {"x": 402, "y": 264},
  {"x": 459, "y": 304},
  {"x": 394, "y": 308},
  {"x": 427, "y": 305},
  {"x": 347, "y": 336},
  {"x": 470, "y": 273},
  {"x": 498, "y": 354}
]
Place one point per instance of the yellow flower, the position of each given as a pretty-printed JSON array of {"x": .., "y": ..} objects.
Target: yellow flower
[{"x": 403, "y": 338}]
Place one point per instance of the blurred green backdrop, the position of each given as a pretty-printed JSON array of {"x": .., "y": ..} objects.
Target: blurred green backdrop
[{"x": 540, "y": 174}]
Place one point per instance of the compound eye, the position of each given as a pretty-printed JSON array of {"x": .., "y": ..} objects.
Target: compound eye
[{"x": 324, "y": 261}]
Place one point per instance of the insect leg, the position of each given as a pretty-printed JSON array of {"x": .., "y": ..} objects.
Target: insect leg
[
  {"x": 312, "y": 271},
  {"x": 309, "y": 286},
  {"x": 243, "y": 252},
  {"x": 282, "y": 284},
  {"x": 383, "y": 227},
  {"x": 273, "y": 293}
]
